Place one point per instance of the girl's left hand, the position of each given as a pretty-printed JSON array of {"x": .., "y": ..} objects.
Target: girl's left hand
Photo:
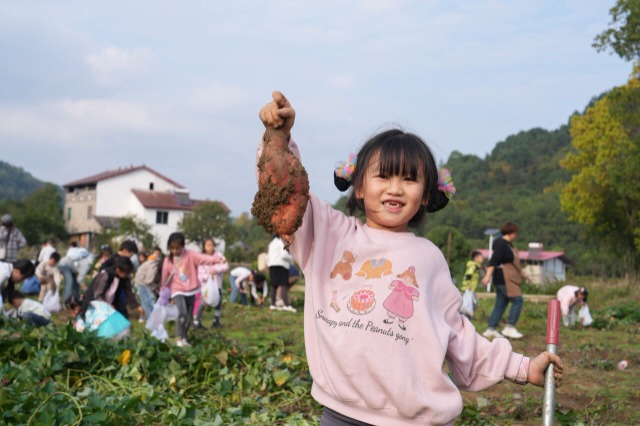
[{"x": 538, "y": 366}]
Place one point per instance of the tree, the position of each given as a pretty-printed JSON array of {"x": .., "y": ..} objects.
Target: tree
[
  {"x": 39, "y": 215},
  {"x": 137, "y": 229},
  {"x": 604, "y": 191},
  {"x": 453, "y": 245},
  {"x": 209, "y": 219},
  {"x": 129, "y": 227},
  {"x": 623, "y": 34}
]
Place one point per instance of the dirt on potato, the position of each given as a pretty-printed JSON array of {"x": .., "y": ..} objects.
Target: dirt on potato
[{"x": 283, "y": 188}]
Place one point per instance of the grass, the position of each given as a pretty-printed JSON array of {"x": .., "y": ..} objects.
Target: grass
[
  {"x": 594, "y": 392},
  {"x": 253, "y": 371}
]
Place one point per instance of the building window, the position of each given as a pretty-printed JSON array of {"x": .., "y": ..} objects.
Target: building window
[
  {"x": 89, "y": 212},
  {"x": 162, "y": 218},
  {"x": 150, "y": 186},
  {"x": 69, "y": 213}
]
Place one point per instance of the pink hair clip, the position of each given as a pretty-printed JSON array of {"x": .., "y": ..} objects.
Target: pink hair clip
[{"x": 445, "y": 183}]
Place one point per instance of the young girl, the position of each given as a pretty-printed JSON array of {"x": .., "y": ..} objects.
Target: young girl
[
  {"x": 374, "y": 358},
  {"x": 215, "y": 272},
  {"x": 98, "y": 316},
  {"x": 180, "y": 276}
]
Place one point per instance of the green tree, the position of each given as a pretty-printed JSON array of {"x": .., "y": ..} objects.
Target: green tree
[
  {"x": 251, "y": 235},
  {"x": 137, "y": 229},
  {"x": 623, "y": 34},
  {"x": 209, "y": 219},
  {"x": 604, "y": 191},
  {"x": 39, "y": 215},
  {"x": 129, "y": 227},
  {"x": 453, "y": 245}
]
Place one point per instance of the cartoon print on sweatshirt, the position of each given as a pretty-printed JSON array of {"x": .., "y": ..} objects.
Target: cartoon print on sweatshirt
[
  {"x": 362, "y": 301},
  {"x": 375, "y": 268},
  {"x": 343, "y": 267},
  {"x": 179, "y": 269},
  {"x": 334, "y": 301},
  {"x": 400, "y": 301}
]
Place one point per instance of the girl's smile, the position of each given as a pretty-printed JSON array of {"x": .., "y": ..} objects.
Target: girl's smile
[{"x": 390, "y": 201}]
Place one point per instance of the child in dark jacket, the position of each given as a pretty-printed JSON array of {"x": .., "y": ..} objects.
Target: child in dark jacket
[{"x": 113, "y": 285}]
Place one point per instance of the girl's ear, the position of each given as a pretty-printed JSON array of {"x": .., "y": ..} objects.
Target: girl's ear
[{"x": 358, "y": 193}]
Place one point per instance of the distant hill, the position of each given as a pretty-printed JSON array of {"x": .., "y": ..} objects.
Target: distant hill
[
  {"x": 16, "y": 183},
  {"x": 519, "y": 181}
]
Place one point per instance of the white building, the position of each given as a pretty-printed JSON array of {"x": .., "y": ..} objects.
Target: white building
[
  {"x": 541, "y": 266},
  {"x": 97, "y": 202}
]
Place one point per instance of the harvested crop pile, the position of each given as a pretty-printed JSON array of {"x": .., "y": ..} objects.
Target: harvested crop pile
[{"x": 283, "y": 188}]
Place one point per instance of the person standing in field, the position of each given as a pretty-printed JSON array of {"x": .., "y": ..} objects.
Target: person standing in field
[
  {"x": 214, "y": 272},
  {"x": 368, "y": 368},
  {"x": 470, "y": 281},
  {"x": 279, "y": 261},
  {"x": 180, "y": 281},
  {"x": 11, "y": 240},
  {"x": 504, "y": 267}
]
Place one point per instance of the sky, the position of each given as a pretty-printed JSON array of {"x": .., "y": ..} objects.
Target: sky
[{"x": 92, "y": 86}]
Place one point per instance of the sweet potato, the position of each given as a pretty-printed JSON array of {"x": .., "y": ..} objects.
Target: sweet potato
[{"x": 283, "y": 188}]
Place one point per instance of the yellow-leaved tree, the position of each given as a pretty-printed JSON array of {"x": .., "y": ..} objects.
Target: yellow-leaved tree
[{"x": 604, "y": 191}]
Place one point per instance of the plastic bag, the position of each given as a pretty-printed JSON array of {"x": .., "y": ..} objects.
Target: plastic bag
[
  {"x": 157, "y": 318},
  {"x": 210, "y": 293},
  {"x": 584, "y": 316},
  {"x": 160, "y": 333},
  {"x": 469, "y": 303},
  {"x": 51, "y": 301}
]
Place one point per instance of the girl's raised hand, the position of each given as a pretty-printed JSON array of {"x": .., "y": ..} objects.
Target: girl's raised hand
[
  {"x": 278, "y": 114},
  {"x": 538, "y": 366}
]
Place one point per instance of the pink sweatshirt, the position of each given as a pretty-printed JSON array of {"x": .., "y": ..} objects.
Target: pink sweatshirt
[
  {"x": 206, "y": 271},
  {"x": 381, "y": 318},
  {"x": 567, "y": 298},
  {"x": 185, "y": 276}
]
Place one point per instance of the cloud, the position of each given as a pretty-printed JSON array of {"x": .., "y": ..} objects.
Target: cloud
[
  {"x": 114, "y": 66},
  {"x": 70, "y": 123}
]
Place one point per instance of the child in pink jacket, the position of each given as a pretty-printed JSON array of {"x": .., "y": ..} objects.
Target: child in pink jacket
[
  {"x": 180, "y": 278},
  {"x": 206, "y": 272},
  {"x": 569, "y": 296},
  {"x": 381, "y": 315}
]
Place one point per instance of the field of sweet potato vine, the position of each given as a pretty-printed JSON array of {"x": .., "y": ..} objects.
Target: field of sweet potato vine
[
  {"x": 253, "y": 371},
  {"x": 54, "y": 375}
]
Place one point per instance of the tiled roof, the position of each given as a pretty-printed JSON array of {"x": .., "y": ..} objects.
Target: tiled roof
[
  {"x": 168, "y": 200},
  {"x": 163, "y": 200},
  {"x": 113, "y": 173},
  {"x": 540, "y": 255}
]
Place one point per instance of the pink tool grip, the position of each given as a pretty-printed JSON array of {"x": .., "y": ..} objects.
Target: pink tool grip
[{"x": 553, "y": 322}]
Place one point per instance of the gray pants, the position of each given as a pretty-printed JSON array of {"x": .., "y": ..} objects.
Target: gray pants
[
  {"x": 333, "y": 418},
  {"x": 185, "y": 314},
  {"x": 74, "y": 273}
]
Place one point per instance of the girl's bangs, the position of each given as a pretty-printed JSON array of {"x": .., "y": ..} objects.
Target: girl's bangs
[{"x": 400, "y": 157}]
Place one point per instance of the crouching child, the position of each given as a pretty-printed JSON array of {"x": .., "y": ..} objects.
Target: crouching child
[{"x": 30, "y": 311}]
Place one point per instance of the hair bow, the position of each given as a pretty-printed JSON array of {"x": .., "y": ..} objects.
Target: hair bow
[{"x": 445, "y": 183}]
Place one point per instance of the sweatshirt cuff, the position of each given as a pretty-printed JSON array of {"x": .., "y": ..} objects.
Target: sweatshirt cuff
[{"x": 517, "y": 369}]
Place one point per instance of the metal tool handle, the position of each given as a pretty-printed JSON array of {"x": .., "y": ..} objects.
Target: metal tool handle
[{"x": 553, "y": 335}]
